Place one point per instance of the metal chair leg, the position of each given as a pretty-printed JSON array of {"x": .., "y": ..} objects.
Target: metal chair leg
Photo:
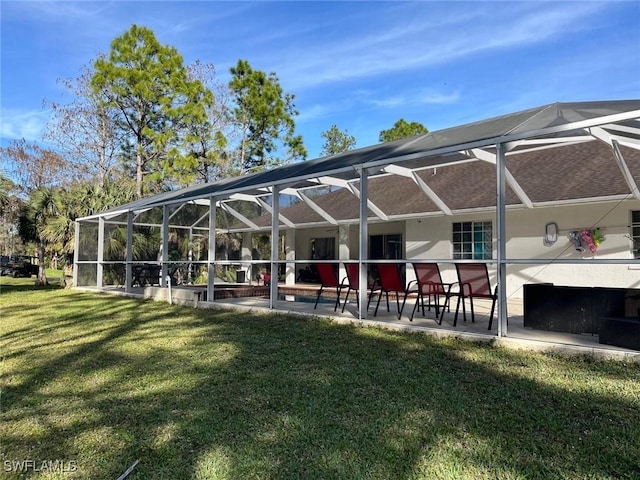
[{"x": 318, "y": 297}]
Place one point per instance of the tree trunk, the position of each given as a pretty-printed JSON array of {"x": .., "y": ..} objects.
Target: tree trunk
[
  {"x": 68, "y": 276},
  {"x": 139, "y": 173},
  {"x": 41, "y": 279}
]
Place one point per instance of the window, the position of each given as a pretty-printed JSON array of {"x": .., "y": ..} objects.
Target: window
[
  {"x": 635, "y": 233},
  {"x": 472, "y": 240},
  {"x": 385, "y": 247},
  {"x": 323, "y": 248}
]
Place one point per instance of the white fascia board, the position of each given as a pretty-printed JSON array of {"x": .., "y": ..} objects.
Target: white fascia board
[
  {"x": 490, "y": 210},
  {"x": 580, "y": 201}
]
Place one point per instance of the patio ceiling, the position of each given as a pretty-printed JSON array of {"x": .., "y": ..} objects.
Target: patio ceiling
[{"x": 574, "y": 142}]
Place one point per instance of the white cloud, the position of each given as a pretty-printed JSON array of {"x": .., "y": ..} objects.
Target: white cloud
[
  {"x": 69, "y": 11},
  {"x": 389, "y": 102},
  {"x": 438, "y": 98},
  {"x": 424, "y": 43},
  {"x": 410, "y": 97},
  {"x": 16, "y": 124},
  {"x": 318, "y": 111}
]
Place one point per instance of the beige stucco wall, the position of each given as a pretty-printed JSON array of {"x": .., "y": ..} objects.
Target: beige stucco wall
[{"x": 430, "y": 238}]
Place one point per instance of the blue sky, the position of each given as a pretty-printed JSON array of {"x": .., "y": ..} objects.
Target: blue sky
[{"x": 359, "y": 65}]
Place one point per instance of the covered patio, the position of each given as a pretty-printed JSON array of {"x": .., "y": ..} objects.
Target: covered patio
[{"x": 509, "y": 192}]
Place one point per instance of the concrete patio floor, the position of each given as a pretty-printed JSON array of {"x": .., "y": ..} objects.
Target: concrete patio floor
[{"x": 302, "y": 303}]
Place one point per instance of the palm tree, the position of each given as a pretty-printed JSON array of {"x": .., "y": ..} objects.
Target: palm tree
[
  {"x": 32, "y": 222},
  {"x": 48, "y": 218}
]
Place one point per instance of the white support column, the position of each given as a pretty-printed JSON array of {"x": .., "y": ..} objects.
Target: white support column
[
  {"x": 290, "y": 252},
  {"x": 502, "y": 239},
  {"x": 275, "y": 234},
  {"x": 190, "y": 256},
  {"x": 76, "y": 253},
  {"x": 364, "y": 244},
  {"x": 164, "y": 253},
  {"x": 211, "y": 266},
  {"x": 246, "y": 254},
  {"x": 129, "y": 255},
  {"x": 100, "y": 266},
  {"x": 343, "y": 249}
]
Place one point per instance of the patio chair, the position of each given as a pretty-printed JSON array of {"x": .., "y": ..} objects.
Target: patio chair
[
  {"x": 329, "y": 279},
  {"x": 430, "y": 284},
  {"x": 353, "y": 284},
  {"x": 391, "y": 281},
  {"x": 474, "y": 283}
]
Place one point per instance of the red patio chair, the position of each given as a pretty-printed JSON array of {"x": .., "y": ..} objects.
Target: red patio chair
[
  {"x": 391, "y": 281},
  {"x": 353, "y": 284},
  {"x": 474, "y": 283},
  {"x": 430, "y": 284},
  {"x": 329, "y": 279}
]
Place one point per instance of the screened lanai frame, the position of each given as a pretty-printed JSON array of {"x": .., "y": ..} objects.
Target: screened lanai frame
[{"x": 615, "y": 123}]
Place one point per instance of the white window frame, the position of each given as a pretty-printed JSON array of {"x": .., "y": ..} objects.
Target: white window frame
[{"x": 471, "y": 253}]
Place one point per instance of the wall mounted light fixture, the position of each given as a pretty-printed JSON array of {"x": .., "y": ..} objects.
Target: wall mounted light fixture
[{"x": 550, "y": 233}]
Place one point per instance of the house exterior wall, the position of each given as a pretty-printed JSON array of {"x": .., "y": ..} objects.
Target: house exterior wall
[
  {"x": 304, "y": 237},
  {"x": 377, "y": 228},
  {"x": 430, "y": 238}
]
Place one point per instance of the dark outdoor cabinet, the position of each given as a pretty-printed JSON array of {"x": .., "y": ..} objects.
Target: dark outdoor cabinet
[
  {"x": 621, "y": 332},
  {"x": 571, "y": 309}
]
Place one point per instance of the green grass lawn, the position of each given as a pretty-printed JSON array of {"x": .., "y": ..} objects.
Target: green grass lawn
[{"x": 104, "y": 381}]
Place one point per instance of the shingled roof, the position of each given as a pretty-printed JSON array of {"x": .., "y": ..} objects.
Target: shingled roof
[
  {"x": 570, "y": 173},
  {"x": 561, "y": 152}
]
